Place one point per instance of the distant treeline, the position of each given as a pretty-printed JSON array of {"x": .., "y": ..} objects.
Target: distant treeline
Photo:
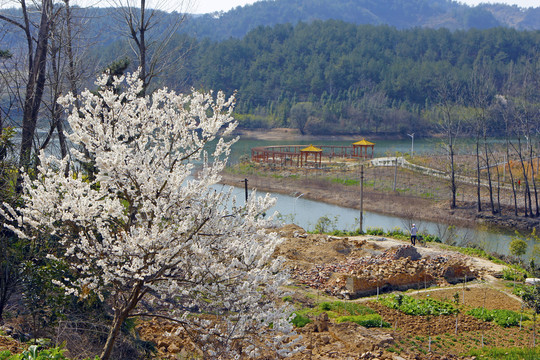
[{"x": 356, "y": 78}]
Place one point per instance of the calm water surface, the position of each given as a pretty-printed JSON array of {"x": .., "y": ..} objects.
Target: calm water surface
[{"x": 305, "y": 213}]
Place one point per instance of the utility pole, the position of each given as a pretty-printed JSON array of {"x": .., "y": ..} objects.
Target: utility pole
[
  {"x": 361, "y": 198},
  {"x": 412, "y": 144},
  {"x": 245, "y": 181},
  {"x": 395, "y": 174}
]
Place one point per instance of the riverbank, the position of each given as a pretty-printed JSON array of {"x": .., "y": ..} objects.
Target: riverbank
[
  {"x": 347, "y": 196},
  {"x": 408, "y": 195},
  {"x": 383, "y": 202}
]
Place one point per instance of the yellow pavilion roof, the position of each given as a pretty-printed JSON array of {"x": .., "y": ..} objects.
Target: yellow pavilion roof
[
  {"x": 364, "y": 142},
  {"x": 312, "y": 148}
]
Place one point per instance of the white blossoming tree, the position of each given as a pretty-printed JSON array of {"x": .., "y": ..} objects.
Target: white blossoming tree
[{"x": 146, "y": 232}]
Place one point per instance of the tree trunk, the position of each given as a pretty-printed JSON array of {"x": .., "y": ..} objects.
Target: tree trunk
[
  {"x": 498, "y": 191},
  {"x": 69, "y": 49},
  {"x": 533, "y": 180},
  {"x": 142, "y": 47},
  {"x": 35, "y": 86},
  {"x": 478, "y": 194},
  {"x": 511, "y": 177},
  {"x": 452, "y": 177},
  {"x": 486, "y": 151},
  {"x": 120, "y": 315},
  {"x": 525, "y": 177}
]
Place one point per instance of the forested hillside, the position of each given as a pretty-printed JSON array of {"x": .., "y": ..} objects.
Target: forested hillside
[
  {"x": 102, "y": 24},
  {"x": 398, "y": 13},
  {"x": 343, "y": 76},
  {"x": 354, "y": 78}
]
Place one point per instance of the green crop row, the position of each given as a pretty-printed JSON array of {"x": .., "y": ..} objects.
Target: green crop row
[
  {"x": 412, "y": 306},
  {"x": 341, "y": 311},
  {"x": 504, "y": 318}
]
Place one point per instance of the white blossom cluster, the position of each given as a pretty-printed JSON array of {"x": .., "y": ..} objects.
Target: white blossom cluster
[{"x": 147, "y": 228}]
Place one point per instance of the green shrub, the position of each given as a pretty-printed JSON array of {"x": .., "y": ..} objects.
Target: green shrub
[
  {"x": 504, "y": 318},
  {"x": 397, "y": 232},
  {"x": 341, "y": 308},
  {"x": 374, "y": 231},
  {"x": 431, "y": 238},
  {"x": 300, "y": 320},
  {"x": 368, "y": 320},
  {"x": 507, "y": 318},
  {"x": 326, "y": 224},
  {"x": 514, "y": 274},
  {"x": 412, "y": 306},
  {"x": 481, "y": 314},
  {"x": 346, "y": 233},
  {"x": 506, "y": 353},
  {"x": 347, "y": 182},
  {"x": 34, "y": 353}
]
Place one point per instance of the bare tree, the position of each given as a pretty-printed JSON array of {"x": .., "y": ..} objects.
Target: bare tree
[
  {"x": 525, "y": 152},
  {"x": 147, "y": 42},
  {"x": 64, "y": 72},
  {"x": 505, "y": 107},
  {"x": 8, "y": 100},
  {"x": 481, "y": 90},
  {"x": 449, "y": 121},
  {"x": 37, "y": 45}
]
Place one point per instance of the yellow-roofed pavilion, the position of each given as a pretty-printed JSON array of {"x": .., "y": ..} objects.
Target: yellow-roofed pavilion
[
  {"x": 360, "y": 149},
  {"x": 305, "y": 152}
]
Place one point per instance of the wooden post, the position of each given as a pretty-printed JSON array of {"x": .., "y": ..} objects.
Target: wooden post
[
  {"x": 361, "y": 198},
  {"x": 395, "y": 175},
  {"x": 245, "y": 181}
]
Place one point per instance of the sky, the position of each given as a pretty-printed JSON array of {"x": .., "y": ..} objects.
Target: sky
[{"x": 209, "y": 6}]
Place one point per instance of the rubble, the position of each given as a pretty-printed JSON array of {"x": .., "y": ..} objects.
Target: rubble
[{"x": 398, "y": 268}]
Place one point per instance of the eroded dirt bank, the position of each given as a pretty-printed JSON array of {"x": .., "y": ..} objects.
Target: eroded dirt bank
[{"x": 403, "y": 206}]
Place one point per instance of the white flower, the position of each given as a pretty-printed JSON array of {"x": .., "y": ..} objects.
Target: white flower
[{"x": 145, "y": 224}]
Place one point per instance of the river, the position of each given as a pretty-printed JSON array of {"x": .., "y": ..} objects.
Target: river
[{"x": 306, "y": 213}]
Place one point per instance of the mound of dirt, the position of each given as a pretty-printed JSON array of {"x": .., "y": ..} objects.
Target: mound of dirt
[
  {"x": 303, "y": 250},
  {"x": 398, "y": 268}
]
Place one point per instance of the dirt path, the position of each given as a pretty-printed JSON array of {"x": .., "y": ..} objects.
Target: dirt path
[{"x": 433, "y": 250}]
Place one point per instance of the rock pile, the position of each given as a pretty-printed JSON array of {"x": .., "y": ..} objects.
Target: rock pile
[{"x": 398, "y": 268}]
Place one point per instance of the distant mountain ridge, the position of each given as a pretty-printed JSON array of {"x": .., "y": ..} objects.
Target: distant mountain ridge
[
  {"x": 398, "y": 13},
  {"x": 236, "y": 23}
]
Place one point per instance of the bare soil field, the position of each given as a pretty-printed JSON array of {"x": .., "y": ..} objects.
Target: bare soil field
[
  {"x": 408, "y": 336},
  {"x": 318, "y": 262}
]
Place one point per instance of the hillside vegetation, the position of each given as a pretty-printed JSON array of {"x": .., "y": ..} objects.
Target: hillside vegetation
[
  {"x": 358, "y": 78},
  {"x": 333, "y": 77},
  {"x": 398, "y": 13},
  {"x": 372, "y": 67}
]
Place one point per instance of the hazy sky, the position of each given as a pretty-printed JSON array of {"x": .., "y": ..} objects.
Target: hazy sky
[{"x": 208, "y": 6}]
